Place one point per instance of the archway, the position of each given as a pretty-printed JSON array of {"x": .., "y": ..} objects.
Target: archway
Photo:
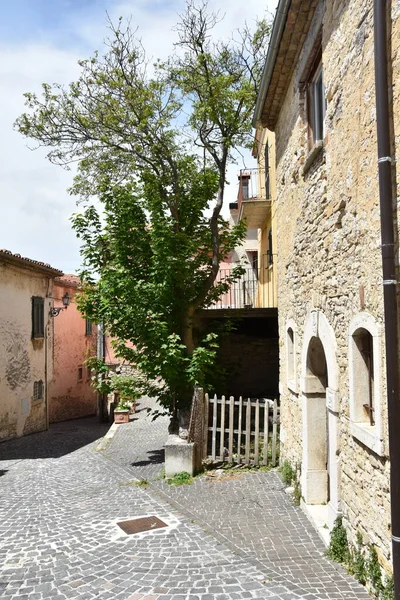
[{"x": 321, "y": 462}]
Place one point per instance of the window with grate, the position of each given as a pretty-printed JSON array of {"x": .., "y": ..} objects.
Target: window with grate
[
  {"x": 89, "y": 329},
  {"x": 37, "y": 317},
  {"x": 38, "y": 390},
  {"x": 80, "y": 373}
]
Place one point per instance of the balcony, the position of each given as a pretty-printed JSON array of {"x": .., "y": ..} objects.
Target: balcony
[
  {"x": 254, "y": 201},
  {"x": 254, "y": 289}
]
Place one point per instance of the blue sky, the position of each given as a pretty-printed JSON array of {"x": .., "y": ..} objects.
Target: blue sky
[{"x": 41, "y": 41}]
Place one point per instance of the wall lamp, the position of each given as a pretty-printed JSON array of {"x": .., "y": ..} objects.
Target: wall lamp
[{"x": 66, "y": 299}]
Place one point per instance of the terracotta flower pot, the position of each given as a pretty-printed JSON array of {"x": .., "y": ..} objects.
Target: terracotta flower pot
[{"x": 121, "y": 416}]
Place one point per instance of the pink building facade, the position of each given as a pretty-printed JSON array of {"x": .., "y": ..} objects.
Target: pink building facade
[{"x": 71, "y": 394}]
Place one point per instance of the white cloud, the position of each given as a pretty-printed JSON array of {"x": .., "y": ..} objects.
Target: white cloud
[{"x": 36, "y": 206}]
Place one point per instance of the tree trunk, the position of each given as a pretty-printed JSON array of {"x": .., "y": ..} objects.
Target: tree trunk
[{"x": 187, "y": 332}]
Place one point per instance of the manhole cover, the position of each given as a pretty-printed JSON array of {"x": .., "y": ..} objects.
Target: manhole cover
[{"x": 142, "y": 524}]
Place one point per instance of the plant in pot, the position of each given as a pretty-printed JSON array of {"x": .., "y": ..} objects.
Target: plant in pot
[
  {"x": 121, "y": 411},
  {"x": 126, "y": 389}
]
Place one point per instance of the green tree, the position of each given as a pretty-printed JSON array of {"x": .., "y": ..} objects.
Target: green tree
[{"x": 151, "y": 255}]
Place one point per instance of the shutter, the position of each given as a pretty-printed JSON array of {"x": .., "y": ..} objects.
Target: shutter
[{"x": 37, "y": 317}]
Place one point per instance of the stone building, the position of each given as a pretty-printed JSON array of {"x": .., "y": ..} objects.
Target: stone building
[
  {"x": 71, "y": 394},
  {"x": 26, "y": 342},
  {"x": 318, "y": 96}
]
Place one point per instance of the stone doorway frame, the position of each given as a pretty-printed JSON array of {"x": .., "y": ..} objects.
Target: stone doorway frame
[{"x": 320, "y": 405}]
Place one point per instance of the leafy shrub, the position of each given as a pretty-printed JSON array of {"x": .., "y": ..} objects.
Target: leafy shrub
[
  {"x": 374, "y": 571},
  {"x": 287, "y": 472},
  {"x": 338, "y": 549},
  {"x": 182, "y": 478}
]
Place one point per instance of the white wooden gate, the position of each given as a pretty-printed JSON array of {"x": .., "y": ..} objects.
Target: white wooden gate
[{"x": 243, "y": 431}]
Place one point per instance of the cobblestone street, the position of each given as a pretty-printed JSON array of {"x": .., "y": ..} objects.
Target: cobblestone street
[{"x": 61, "y": 498}]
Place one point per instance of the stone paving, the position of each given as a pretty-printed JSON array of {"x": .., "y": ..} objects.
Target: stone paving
[
  {"x": 60, "y": 500},
  {"x": 251, "y": 514}
]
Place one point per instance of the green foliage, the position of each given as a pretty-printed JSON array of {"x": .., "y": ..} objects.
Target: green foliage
[
  {"x": 388, "y": 591},
  {"x": 142, "y": 483},
  {"x": 338, "y": 549},
  {"x": 374, "y": 572},
  {"x": 123, "y": 405},
  {"x": 287, "y": 472},
  {"x": 365, "y": 571},
  {"x": 356, "y": 562},
  {"x": 152, "y": 240},
  {"x": 182, "y": 478},
  {"x": 297, "y": 492}
]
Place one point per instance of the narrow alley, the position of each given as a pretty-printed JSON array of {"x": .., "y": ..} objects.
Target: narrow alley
[{"x": 63, "y": 491}]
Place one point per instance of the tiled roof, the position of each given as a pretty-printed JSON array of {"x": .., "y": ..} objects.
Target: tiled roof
[
  {"x": 23, "y": 261},
  {"x": 68, "y": 279},
  {"x": 282, "y": 57}
]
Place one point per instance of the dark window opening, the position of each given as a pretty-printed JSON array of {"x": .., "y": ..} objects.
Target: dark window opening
[
  {"x": 37, "y": 317},
  {"x": 89, "y": 328},
  {"x": 270, "y": 250},
  {"x": 364, "y": 366},
  {"x": 38, "y": 390},
  {"x": 80, "y": 373}
]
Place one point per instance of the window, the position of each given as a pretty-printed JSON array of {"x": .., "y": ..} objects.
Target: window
[
  {"x": 270, "y": 249},
  {"x": 316, "y": 104},
  {"x": 38, "y": 390},
  {"x": 245, "y": 188},
  {"x": 80, "y": 373},
  {"x": 37, "y": 317},
  {"x": 365, "y": 382},
  {"x": 266, "y": 168},
  {"x": 364, "y": 371},
  {"x": 253, "y": 259},
  {"x": 88, "y": 324},
  {"x": 291, "y": 356}
]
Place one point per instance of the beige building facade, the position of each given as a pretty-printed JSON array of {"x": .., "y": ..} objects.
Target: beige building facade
[
  {"x": 26, "y": 342},
  {"x": 318, "y": 97}
]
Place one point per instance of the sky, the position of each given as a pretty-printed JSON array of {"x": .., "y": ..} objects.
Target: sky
[{"x": 41, "y": 41}]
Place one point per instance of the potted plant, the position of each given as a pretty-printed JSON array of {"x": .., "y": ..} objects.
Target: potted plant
[{"x": 121, "y": 411}]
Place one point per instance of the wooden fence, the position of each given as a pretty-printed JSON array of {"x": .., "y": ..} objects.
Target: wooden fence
[{"x": 243, "y": 431}]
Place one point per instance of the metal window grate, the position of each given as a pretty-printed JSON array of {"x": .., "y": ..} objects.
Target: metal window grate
[
  {"x": 140, "y": 525},
  {"x": 38, "y": 390}
]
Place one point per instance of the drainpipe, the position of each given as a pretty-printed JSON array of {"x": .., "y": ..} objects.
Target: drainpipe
[{"x": 389, "y": 272}]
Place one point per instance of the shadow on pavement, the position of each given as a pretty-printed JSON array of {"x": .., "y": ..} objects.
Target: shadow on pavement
[
  {"x": 60, "y": 439},
  {"x": 155, "y": 457}
]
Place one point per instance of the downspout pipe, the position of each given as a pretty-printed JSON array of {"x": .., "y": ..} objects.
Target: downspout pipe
[{"x": 389, "y": 272}]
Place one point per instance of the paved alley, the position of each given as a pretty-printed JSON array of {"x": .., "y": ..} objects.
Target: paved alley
[{"x": 60, "y": 500}]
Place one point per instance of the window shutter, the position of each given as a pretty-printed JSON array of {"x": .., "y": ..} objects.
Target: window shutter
[{"x": 37, "y": 317}]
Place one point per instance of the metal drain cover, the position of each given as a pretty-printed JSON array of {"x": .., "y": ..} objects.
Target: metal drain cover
[{"x": 142, "y": 524}]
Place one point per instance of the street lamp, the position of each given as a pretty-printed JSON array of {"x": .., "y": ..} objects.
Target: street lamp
[{"x": 54, "y": 312}]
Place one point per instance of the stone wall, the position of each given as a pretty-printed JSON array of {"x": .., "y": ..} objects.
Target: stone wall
[{"x": 328, "y": 229}]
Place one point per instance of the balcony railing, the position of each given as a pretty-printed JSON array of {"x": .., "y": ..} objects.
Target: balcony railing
[
  {"x": 253, "y": 185},
  {"x": 254, "y": 289}
]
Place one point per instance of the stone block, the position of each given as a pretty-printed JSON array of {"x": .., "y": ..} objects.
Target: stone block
[{"x": 179, "y": 456}]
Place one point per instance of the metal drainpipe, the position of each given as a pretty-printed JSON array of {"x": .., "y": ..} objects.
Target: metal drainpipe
[{"x": 389, "y": 272}]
